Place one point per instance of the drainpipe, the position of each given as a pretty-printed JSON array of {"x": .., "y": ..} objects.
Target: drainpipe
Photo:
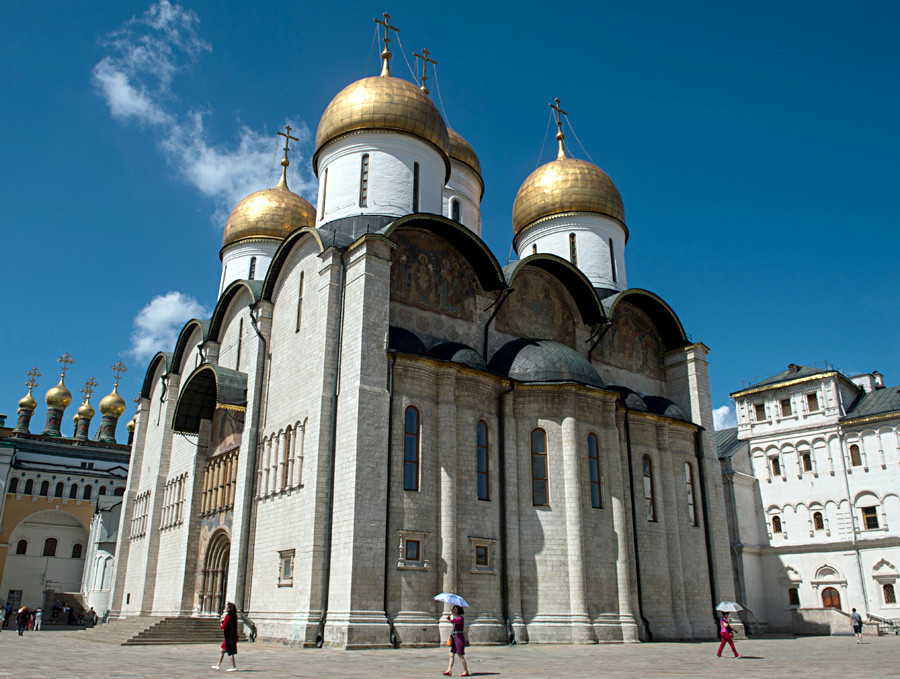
[
  {"x": 395, "y": 640},
  {"x": 501, "y": 446},
  {"x": 501, "y": 298},
  {"x": 329, "y": 509},
  {"x": 249, "y": 507},
  {"x": 709, "y": 562},
  {"x": 637, "y": 555}
]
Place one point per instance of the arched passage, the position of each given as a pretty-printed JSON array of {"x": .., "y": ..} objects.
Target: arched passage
[{"x": 215, "y": 574}]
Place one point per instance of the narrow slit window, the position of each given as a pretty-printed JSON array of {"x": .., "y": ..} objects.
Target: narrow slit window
[
  {"x": 776, "y": 466},
  {"x": 59, "y": 490},
  {"x": 73, "y": 492},
  {"x": 573, "y": 250},
  {"x": 252, "y": 268},
  {"x": 299, "y": 302},
  {"x": 612, "y": 261},
  {"x": 87, "y": 492},
  {"x": 454, "y": 210},
  {"x": 324, "y": 193},
  {"x": 776, "y": 524},
  {"x": 689, "y": 483},
  {"x": 539, "y": 494},
  {"x": 29, "y": 486},
  {"x": 594, "y": 470},
  {"x": 45, "y": 489},
  {"x": 364, "y": 181},
  {"x": 237, "y": 362},
  {"x": 818, "y": 521},
  {"x": 806, "y": 460},
  {"x": 534, "y": 249},
  {"x": 13, "y": 485},
  {"x": 481, "y": 461},
  {"x": 415, "y": 197},
  {"x": 648, "y": 489},
  {"x": 411, "y": 450}
]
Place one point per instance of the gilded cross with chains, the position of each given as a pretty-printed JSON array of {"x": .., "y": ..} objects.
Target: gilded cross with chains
[
  {"x": 387, "y": 28},
  {"x": 118, "y": 369},
  {"x": 425, "y": 62},
  {"x": 64, "y": 362},
  {"x": 287, "y": 139},
  {"x": 559, "y": 134},
  {"x": 88, "y": 388},
  {"x": 33, "y": 374}
]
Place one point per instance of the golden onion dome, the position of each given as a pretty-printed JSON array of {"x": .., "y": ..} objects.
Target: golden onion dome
[
  {"x": 27, "y": 402},
  {"x": 58, "y": 396},
  {"x": 270, "y": 214},
  {"x": 130, "y": 425},
  {"x": 86, "y": 410},
  {"x": 383, "y": 102},
  {"x": 461, "y": 151},
  {"x": 112, "y": 404}
]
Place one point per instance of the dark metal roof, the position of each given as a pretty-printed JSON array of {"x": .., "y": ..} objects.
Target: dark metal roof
[
  {"x": 68, "y": 447},
  {"x": 528, "y": 360},
  {"x": 878, "y": 402},
  {"x": 659, "y": 405},
  {"x": 207, "y": 388},
  {"x": 793, "y": 372},
  {"x": 405, "y": 341},
  {"x": 727, "y": 443},
  {"x": 632, "y": 399},
  {"x": 458, "y": 353}
]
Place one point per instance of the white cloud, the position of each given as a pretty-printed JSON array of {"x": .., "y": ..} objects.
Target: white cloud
[
  {"x": 723, "y": 417},
  {"x": 135, "y": 80},
  {"x": 157, "y": 325}
]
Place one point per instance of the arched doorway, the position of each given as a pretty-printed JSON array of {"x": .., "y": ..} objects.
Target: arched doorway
[
  {"x": 215, "y": 574},
  {"x": 831, "y": 598}
]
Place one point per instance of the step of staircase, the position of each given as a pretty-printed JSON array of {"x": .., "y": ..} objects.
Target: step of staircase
[{"x": 152, "y": 630}]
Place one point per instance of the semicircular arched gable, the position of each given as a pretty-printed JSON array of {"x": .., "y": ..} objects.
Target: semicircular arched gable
[
  {"x": 254, "y": 288},
  {"x": 322, "y": 239},
  {"x": 539, "y": 307},
  {"x": 187, "y": 339},
  {"x": 666, "y": 321},
  {"x": 632, "y": 342},
  {"x": 162, "y": 359},
  {"x": 573, "y": 280}
]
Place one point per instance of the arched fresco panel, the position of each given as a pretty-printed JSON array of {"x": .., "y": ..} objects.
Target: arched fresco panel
[
  {"x": 427, "y": 274},
  {"x": 632, "y": 343},
  {"x": 538, "y": 307}
]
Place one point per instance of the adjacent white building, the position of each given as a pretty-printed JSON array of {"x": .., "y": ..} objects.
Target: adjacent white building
[{"x": 812, "y": 475}]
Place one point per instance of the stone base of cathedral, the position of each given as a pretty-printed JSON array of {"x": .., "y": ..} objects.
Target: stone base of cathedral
[{"x": 352, "y": 630}]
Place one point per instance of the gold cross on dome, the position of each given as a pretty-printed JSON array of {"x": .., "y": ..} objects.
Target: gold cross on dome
[
  {"x": 33, "y": 374},
  {"x": 118, "y": 369},
  {"x": 287, "y": 139},
  {"x": 387, "y": 27},
  {"x": 88, "y": 388},
  {"x": 425, "y": 62},
  {"x": 559, "y": 133},
  {"x": 64, "y": 362}
]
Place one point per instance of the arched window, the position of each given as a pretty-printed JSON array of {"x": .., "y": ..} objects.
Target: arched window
[
  {"x": 776, "y": 466},
  {"x": 73, "y": 492},
  {"x": 76, "y": 551},
  {"x": 612, "y": 260},
  {"x": 102, "y": 490},
  {"x": 648, "y": 489},
  {"x": 831, "y": 598},
  {"x": 806, "y": 461},
  {"x": 454, "y": 209},
  {"x": 573, "y": 250},
  {"x": 890, "y": 597},
  {"x": 818, "y": 521},
  {"x": 539, "y": 495},
  {"x": 793, "y": 596},
  {"x": 120, "y": 491},
  {"x": 13, "y": 484},
  {"x": 415, "y": 201},
  {"x": 300, "y": 302},
  {"x": 29, "y": 486},
  {"x": 855, "y": 457},
  {"x": 776, "y": 524},
  {"x": 411, "y": 450},
  {"x": 45, "y": 489},
  {"x": 22, "y": 547},
  {"x": 594, "y": 471},
  {"x": 689, "y": 482},
  {"x": 59, "y": 490},
  {"x": 88, "y": 489},
  {"x": 252, "y": 268},
  {"x": 481, "y": 460},
  {"x": 50, "y": 547},
  {"x": 364, "y": 181}
]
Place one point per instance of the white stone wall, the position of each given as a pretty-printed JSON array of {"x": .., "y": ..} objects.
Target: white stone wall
[
  {"x": 392, "y": 156},
  {"x": 236, "y": 262},
  {"x": 464, "y": 187},
  {"x": 592, "y": 236}
]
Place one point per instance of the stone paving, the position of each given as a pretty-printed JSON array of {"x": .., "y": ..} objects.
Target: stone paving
[{"x": 67, "y": 654}]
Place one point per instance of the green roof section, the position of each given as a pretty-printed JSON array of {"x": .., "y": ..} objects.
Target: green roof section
[
  {"x": 727, "y": 443},
  {"x": 878, "y": 402}
]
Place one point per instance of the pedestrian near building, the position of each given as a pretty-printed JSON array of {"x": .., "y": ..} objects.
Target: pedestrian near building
[
  {"x": 229, "y": 645},
  {"x": 457, "y": 641},
  {"x": 727, "y": 636},
  {"x": 856, "y": 623},
  {"x": 38, "y": 616},
  {"x": 7, "y": 614},
  {"x": 22, "y": 620}
]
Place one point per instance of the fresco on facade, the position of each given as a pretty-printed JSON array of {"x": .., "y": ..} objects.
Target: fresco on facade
[
  {"x": 227, "y": 427},
  {"x": 632, "y": 343},
  {"x": 425, "y": 273},
  {"x": 538, "y": 308}
]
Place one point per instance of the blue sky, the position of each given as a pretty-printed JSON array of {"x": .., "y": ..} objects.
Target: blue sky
[{"x": 755, "y": 149}]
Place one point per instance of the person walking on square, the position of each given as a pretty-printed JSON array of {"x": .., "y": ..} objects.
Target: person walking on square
[
  {"x": 7, "y": 614},
  {"x": 856, "y": 624},
  {"x": 229, "y": 646},
  {"x": 727, "y": 636},
  {"x": 457, "y": 641},
  {"x": 38, "y": 617},
  {"x": 22, "y": 620}
]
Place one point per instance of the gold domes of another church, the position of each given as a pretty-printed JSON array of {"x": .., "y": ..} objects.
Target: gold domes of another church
[
  {"x": 27, "y": 402},
  {"x": 112, "y": 404},
  {"x": 85, "y": 410},
  {"x": 382, "y": 102},
  {"x": 269, "y": 214},
  {"x": 59, "y": 396}
]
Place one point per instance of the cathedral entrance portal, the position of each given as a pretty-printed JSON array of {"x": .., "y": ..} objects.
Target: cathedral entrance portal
[{"x": 215, "y": 574}]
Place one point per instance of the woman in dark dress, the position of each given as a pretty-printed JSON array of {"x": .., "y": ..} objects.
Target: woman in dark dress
[
  {"x": 229, "y": 646},
  {"x": 457, "y": 641}
]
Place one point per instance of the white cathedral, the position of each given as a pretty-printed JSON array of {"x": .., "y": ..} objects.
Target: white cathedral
[{"x": 378, "y": 411}]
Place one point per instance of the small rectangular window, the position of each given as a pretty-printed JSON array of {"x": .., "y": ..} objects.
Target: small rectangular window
[
  {"x": 812, "y": 402},
  {"x": 286, "y": 568},
  {"x": 760, "y": 409},
  {"x": 481, "y": 555},
  {"x": 793, "y": 597},
  {"x": 786, "y": 407},
  {"x": 890, "y": 597},
  {"x": 573, "y": 250},
  {"x": 364, "y": 181},
  {"x": 412, "y": 550},
  {"x": 870, "y": 517}
]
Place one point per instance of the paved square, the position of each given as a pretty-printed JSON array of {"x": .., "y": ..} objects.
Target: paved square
[{"x": 67, "y": 654}]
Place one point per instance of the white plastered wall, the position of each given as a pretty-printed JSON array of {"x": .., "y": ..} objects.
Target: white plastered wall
[
  {"x": 465, "y": 188},
  {"x": 236, "y": 261}
]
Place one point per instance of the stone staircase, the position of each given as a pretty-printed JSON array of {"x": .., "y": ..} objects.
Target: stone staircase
[{"x": 144, "y": 630}]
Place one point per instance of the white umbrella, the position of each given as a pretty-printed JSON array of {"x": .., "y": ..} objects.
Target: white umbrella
[
  {"x": 729, "y": 607},
  {"x": 452, "y": 599}
]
